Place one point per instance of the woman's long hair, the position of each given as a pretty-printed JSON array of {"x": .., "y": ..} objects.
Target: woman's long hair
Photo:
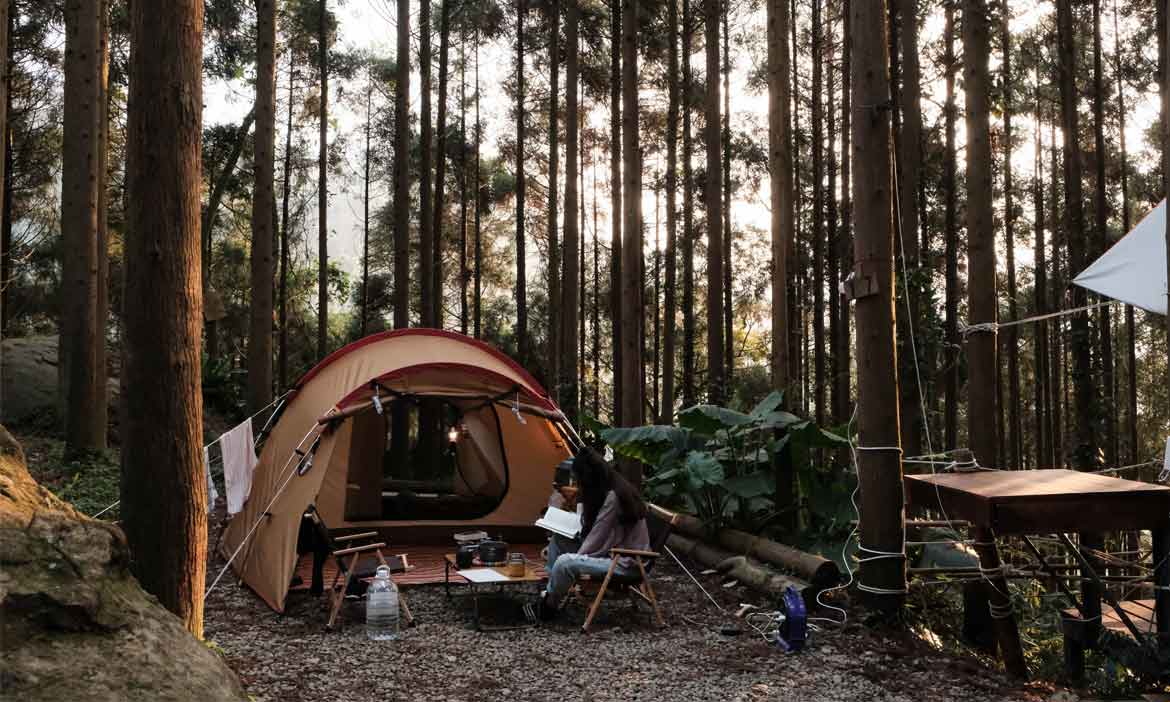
[{"x": 596, "y": 478}]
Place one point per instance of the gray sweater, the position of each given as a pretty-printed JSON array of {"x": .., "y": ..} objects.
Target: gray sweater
[{"x": 609, "y": 532}]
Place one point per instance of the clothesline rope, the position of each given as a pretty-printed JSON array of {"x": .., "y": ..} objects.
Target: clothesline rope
[
  {"x": 966, "y": 330},
  {"x": 117, "y": 502}
]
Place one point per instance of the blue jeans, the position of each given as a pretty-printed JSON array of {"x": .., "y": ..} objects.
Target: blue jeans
[
  {"x": 570, "y": 566},
  {"x": 558, "y": 545}
]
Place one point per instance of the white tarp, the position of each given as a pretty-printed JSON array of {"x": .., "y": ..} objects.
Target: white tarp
[{"x": 1134, "y": 269}]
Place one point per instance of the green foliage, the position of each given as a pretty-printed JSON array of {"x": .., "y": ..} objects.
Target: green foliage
[{"x": 717, "y": 462}]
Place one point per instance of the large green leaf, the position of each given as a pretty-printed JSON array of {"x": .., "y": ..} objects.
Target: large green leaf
[
  {"x": 702, "y": 470},
  {"x": 647, "y": 444},
  {"x": 768, "y": 405},
  {"x": 710, "y": 419}
]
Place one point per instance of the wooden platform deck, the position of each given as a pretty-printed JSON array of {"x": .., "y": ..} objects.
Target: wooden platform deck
[
  {"x": 1140, "y": 612},
  {"x": 1041, "y": 501}
]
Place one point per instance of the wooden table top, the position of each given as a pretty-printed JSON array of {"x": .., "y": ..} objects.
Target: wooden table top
[
  {"x": 1041, "y": 501},
  {"x": 531, "y": 574}
]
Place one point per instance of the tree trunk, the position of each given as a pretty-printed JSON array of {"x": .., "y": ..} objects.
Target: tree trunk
[
  {"x": 464, "y": 273},
  {"x": 365, "y": 306},
  {"x": 477, "y": 289},
  {"x": 909, "y": 171},
  {"x": 950, "y": 227},
  {"x": 632, "y": 404},
  {"x": 284, "y": 241},
  {"x": 83, "y": 386},
  {"x": 521, "y": 119},
  {"x": 102, "y": 417},
  {"x": 554, "y": 254},
  {"x": 569, "y": 291},
  {"x": 323, "y": 185},
  {"x": 7, "y": 20},
  {"x": 716, "y": 370},
  {"x": 818, "y": 207},
  {"x": 596, "y": 318},
  {"x": 426, "y": 232},
  {"x": 728, "y": 308},
  {"x": 1085, "y": 453},
  {"x": 880, "y": 471},
  {"x": 783, "y": 228},
  {"x": 669, "y": 331},
  {"x": 1101, "y": 212},
  {"x": 689, "y": 391},
  {"x": 263, "y": 210},
  {"x": 615, "y": 204},
  {"x": 1040, "y": 329},
  {"x": 844, "y": 250},
  {"x": 163, "y": 488},
  {"x": 1130, "y": 326},
  {"x": 837, "y": 389},
  {"x": 1015, "y": 451},
  {"x": 441, "y": 166},
  {"x": 795, "y": 291},
  {"x": 402, "y": 171}
]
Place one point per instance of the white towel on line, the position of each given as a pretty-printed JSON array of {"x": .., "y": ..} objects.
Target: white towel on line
[
  {"x": 239, "y": 460},
  {"x": 212, "y": 493}
]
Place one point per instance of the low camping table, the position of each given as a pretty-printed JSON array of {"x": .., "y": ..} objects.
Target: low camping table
[
  {"x": 509, "y": 589},
  {"x": 1023, "y": 502}
]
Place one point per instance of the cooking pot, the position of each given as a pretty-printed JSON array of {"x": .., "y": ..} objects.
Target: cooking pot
[
  {"x": 493, "y": 552},
  {"x": 465, "y": 556}
]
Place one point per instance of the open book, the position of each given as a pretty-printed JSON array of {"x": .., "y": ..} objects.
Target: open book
[{"x": 558, "y": 521}]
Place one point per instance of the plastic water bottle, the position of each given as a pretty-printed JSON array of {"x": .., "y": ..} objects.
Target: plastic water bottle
[{"x": 382, "y": 607}]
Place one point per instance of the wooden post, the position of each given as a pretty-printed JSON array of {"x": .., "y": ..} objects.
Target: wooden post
[
  {"x": 879, "y": 454},
  {"x": 982, "y": 308},
  {"x": 1161, "y": 557}
]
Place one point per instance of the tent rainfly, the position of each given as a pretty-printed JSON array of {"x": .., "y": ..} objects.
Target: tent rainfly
[
  {"x": 418, "y": 433},
  {"x": 1134, "y": 269}
]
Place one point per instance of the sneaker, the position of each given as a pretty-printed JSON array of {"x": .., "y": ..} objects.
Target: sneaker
[{"x": 545, "y": 609}]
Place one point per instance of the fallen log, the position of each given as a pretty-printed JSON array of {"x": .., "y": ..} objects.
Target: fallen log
[
  {"x": 754, "y": 575},
  {"x": 817, "y": 570}
]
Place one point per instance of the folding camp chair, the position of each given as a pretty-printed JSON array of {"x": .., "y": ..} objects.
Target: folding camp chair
[
  {"x": 356, "y": 561},
  {"x": 636, "y": 583}
]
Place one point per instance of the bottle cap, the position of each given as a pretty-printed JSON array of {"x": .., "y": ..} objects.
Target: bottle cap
[{"x": 382, "y": 572}]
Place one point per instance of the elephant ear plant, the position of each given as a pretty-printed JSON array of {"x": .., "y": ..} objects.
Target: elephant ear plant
[{"x": 720, "y": 464}]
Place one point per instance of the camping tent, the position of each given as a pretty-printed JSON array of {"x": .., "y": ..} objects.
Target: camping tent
[
  {"x": 416, "y": 433},
  {"x": 1134, "y": 269}
]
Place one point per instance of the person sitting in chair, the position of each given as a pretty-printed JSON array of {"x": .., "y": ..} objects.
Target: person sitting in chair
[{"x": 613, "y": 515}]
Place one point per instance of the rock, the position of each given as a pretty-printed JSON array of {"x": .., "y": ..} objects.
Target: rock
[
  {"x": 74, "y": 623},
  {"x": 28, "y": 378}
]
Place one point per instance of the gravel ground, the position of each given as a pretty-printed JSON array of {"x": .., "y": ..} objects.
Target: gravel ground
[{"x": 292, "y": 657}]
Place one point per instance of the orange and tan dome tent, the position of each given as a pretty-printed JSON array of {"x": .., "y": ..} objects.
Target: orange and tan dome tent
[{"x": 500, "y": 437}]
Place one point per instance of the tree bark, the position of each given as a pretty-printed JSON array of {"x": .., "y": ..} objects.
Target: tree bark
[
  {"x": 1101, "y": 213},
  {"x": 735, "y": 566},
  {"x": 365, "y": 304},
  {"x": 323, "y": 185},
  {"x": 521, "y": 119},
  {"x": 7, "y": 21},
  {"x": 716, "y": 368},
  {"x": 783, "y": 229},
  {"x": 441, "y": 165},
  {"x": 1130, "y": 326},
  {"x": 572, "y": 239},
  {"x": 1040, "y": 329},
  {"x": 909, "y": 173},
  {"x": 163, "y": 488},
  {"x": 464, "y": 273},
  {"x": 284, "y": 241},
  {"x": 1085, "y": 452},
  {"x": 477, "y": 288},
  {"x": 1015, "y": 450},
  {"x": 728, "y": 308},
  {"x": 554, "y": 254},
  {"x": 669, "y": 318},
  {"x": 632, "y": 398},
  {"x": 83, "y": 383},
  {"x": 982, "y": 303},
  {"x": 263, "y": 210},
  {"x": 880, "y": 471},
  {"x": 615, "y": 204},
  {"x": 689, "y": 391},
  {"x": 426, "y": 232},
  {"x": 950, "y": 227},
  {"x": 818, "y": 211},
  {"x": 402, "y": 171}
]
